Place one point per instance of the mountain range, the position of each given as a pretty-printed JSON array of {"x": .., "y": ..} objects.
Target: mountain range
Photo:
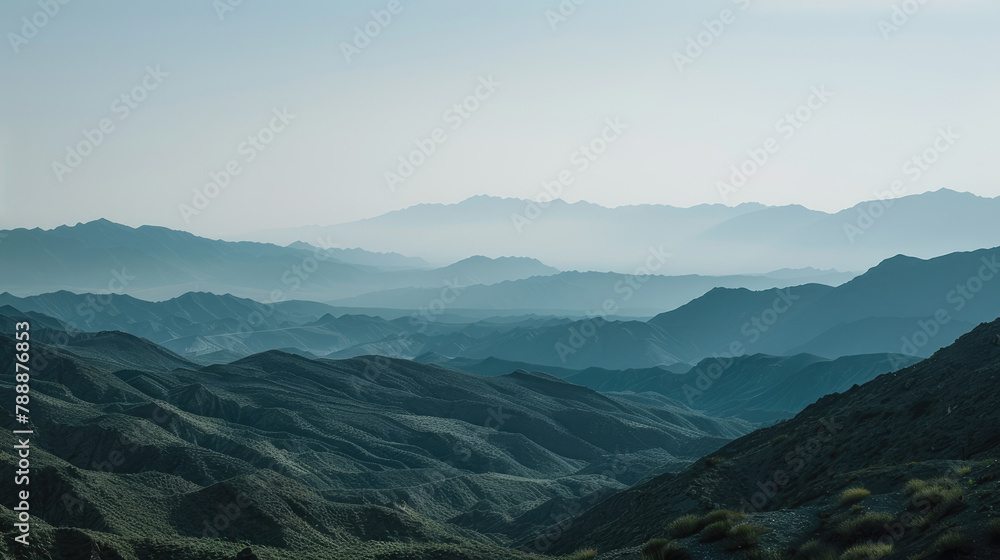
[
  {"x": 585, "y": 292},
  {"x": 704, "y": 239},
  {"x": 903, "y": 306},
  {"x": 159, "y": 263},
  {"x": 156, "y": 263}
]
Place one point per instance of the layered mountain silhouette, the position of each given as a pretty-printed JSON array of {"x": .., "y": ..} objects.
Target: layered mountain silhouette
[
  {"x": 159, "y": 263},
  {"x": 902, "y": 307},
  {"x": 211, "y": 328},
  {"x": 705, "y": 239},
  {"x": 156, "y": 263},
  {"x": 582, "y": 292}
]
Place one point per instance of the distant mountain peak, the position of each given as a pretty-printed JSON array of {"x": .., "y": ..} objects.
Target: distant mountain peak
[
  {"x": 951, "y": 192},
  {"x": 485, "y": 259}
]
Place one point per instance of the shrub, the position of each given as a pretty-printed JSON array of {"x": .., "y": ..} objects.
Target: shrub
[
  {"x": 816, "y": 550},
  {"x": 867, "y": 551},
  {"x": 942, "y": 495},
  {"x": 684, "y": 526},
  {"x": 854, "y": 495},
  {"x": 993, "y": 529},
  {"x": 953, "y": 540},
  {"x": 654, "y": 546},
  {"x": 744, "y": 536},
  {"x": 864, "y": 525},
  {"x": 588, "y": 554},
  {"x": 961, "y": 471},
  {"x": 914, "y": 485},
  {"x": 722, "y": 515},
  {"x": 663, "y": 549},
  {"x": 716, "y": 531},
  {"x": 938, "y": 490}
]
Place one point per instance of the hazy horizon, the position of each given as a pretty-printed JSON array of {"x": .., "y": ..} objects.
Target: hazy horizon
[
  {"x": 837, "y": 93},
  {"x": 239, "y": 235}
]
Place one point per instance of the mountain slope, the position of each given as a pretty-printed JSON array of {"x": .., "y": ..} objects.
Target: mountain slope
[
  {"x": 756, "y": 388},
  {"x": 356, "y": 458},
  {"x": 920, "y": 423},
  {"x": 907, "y": 305}
]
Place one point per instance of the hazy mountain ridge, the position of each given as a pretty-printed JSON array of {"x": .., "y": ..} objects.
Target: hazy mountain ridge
[
  {"x": 929, "y": 303},
  {"x": 581, "y": 291},
  {"x": 159, "y": 263},
  {"x": 754, "y": 237},
  {"x": 902, "y": 306}
]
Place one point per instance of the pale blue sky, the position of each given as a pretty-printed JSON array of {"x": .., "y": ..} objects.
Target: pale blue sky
[{"x": 352, "y": 121}]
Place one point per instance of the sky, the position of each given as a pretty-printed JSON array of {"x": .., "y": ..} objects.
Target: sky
[{"x": 240, "y": 116}]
